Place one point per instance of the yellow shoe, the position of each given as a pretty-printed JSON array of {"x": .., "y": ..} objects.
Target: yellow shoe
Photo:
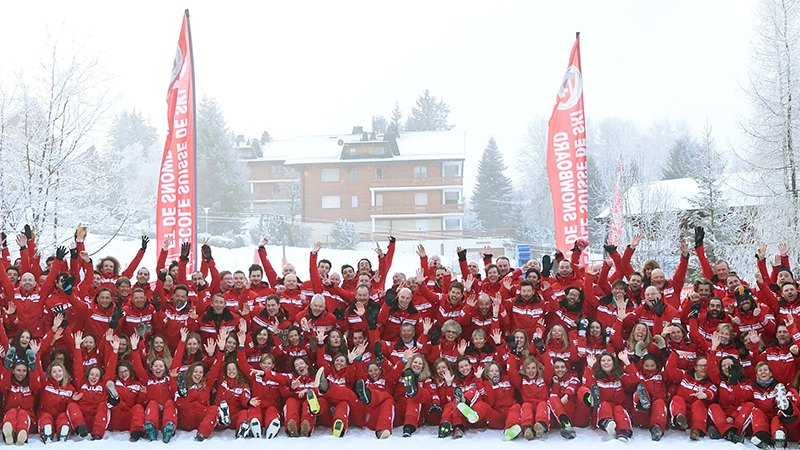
[
  {"x": 313, "y": 402},
  {"x": 338, "y": 428}
]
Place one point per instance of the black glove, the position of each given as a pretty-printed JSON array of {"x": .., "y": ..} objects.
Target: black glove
[
  {"x": 734, "y": 375},
  {"x": 145, "y": 240},
  {"x": 67, "y": 283},
  {"x": 115, "y": 318},
  {"x": 699, "y": 235},
  {"x": 185, "y": 249},
  {"x": 28, "y": 232},
  {"x": 155, "y": 302},
  {"x": 537, "y": 342},
  {"x": 436, "y": 334},
  {"x": 547, "y": 265},
  {"x": 391, "y": 297},
  {"x": 3, "y": 240},
  {"x": 610, "y": 249},
  {"x": 371, "y": 315},
  {"x": 462, "y": 255},
  {"x": 576, "y": 248},
  {"x": 694, "y": 312},
  {"x": 559, "y": 255},
  {"x": 61, "y": 252},
  {"x": 392, "y": 239},
  {"x": 73, "y": 253},
  {"x": 512, "y": 347},
  {"x": 339, "y": 313},
  {"x": 162, "y": 276},
  {"x": 583, "y": 325},
  {"x": 113, "y": 401},
  {"x": 659, "y": 307},
  {"x": 206, "y": 250}
]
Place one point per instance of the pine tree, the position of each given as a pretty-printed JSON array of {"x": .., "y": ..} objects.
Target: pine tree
[
  {"x": 345, "y": 234},
  {"x": 379, "y": 124},
  {"x": 491, "y": 199},
  {"x": 130, "y": 128},
  {"x": 221, "y": 175},
  {"x": 682, "y": 161},
  {"x": 430, "y": 114},
  {"x": 711, "y": 208},
  {"x": 397, "y": 117}
]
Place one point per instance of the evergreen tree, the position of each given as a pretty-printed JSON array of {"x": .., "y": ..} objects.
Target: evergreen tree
[
  {"x": 711, "y": 209},
  {"x": 345, "y": 234},
  {"x": 130, "y": 128},
  {"x": 492, "y": 198},
  {"x": 682, "y": 160},
  {"x": 430, "y": 114},
  {"x": 397, "y": 117},
  {"x": 221, "y": 175},
  {"x": 379, "y": 124}
]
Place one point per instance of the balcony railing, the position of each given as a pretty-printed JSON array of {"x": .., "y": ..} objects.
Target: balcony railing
[
  {"x": 411, "y": 181},
  {"x": 413, "y": 209}
]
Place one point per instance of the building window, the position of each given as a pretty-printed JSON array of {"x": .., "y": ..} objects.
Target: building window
[
  {"x": 451, "y": 197},
  {"x": 275, "y": 169},
  {"x": 276, "y": 188},
  {"x": 421, "y": 224},
  {"x": 452, "y": 224},
  {"x": 330, "y": 174},
  {"x": 354, "y": 201},
  {"x": 380, "y": 150},
  {"x": 379, "y": 173},
  {"x": 378, "y": 199},
  {"x": 421, "y": 199},
  {"x": 352, "y": 151},
  {"x": 451, "y": 169},
  {"x": 421, "y": 172},
  {"x": 353, "y": 174},
  {"x": 331, "y": 202}
]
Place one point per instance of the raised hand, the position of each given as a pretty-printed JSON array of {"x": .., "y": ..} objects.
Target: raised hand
[
  {"x": 115, "y": 344},
  {"x": 12, "y": 308},
  {"x": 469, "y": 282},
  {"x": 783, "y": 249},
  {"x": 496, "y": 336},
  {"x": 421, "y": 251},
  {"x": 427, "y": 324},
  {"x": 462, "y": 347},
  {"x": 211, "y": 346},
  {"x": 409, "y": 353},
  {"x": 78, "y": 339},
  {"x": 479, "y": 372},
  {"x": 263, "y": 242},
  {"x": 145, "y": 241},
  {"x": 316, "y": 248},
  {"x": 184, "y": 334},
  {"x": 134, "y": 341},
  {"x": 360, "y": 310},
  {"x": 591, "y": 360},
  {"x": 34, "y": 346},
  {"x": 761, "y": 252}
]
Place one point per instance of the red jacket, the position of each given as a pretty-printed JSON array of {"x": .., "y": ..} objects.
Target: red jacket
[
  {"x": 109, "y": 280},
  {"x": 198, "y": 397},
  {"x": 685, "y": 383}
]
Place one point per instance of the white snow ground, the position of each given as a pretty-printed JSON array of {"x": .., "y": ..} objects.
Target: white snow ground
[{"x": 423, "y": 438}]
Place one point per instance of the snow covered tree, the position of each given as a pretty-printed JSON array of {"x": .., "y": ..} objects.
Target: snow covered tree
[
  {"x": 711, "y": 210},
  {"x": 379, "y": 124},
  {"x": 536, "y": 203},
  {"x": 48, "y": 115},
  {"x": 395, "y": 123},
  {"x": 430, "y": 114},
  {"x": 344, "y": 235},
  {"x": 492, "y": 197},
  {"x": 774, "y": 93},
  {"x": 221, "y": 175},
  {"x": 682, "y": 161}
]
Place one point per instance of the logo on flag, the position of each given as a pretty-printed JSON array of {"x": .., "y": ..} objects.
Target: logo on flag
[{"x": 571, "y": 88}]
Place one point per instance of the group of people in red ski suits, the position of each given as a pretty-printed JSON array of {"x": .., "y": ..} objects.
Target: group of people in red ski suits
[{"x": 88, "y": 347}]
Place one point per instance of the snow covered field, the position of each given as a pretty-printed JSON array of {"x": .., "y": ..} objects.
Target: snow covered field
[
  {"x": 242, "y": 258},
  {"x": 424, "y": 438}
]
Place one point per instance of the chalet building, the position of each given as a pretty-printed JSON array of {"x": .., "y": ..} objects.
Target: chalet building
[{"x": 411, "y": 184}]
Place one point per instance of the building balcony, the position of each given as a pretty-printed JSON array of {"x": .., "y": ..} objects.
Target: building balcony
[
  {"x": 412, "y": 209},
  {"x": 415, "y": 182}
]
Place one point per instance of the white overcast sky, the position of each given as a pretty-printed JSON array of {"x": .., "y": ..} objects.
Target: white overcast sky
[{"x": 303, "y": 68}]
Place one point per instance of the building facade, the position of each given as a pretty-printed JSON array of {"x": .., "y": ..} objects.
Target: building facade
[{"x": 411, "y": 184}]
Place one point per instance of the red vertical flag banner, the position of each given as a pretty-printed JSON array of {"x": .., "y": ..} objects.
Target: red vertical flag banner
[
  {"x": 175, "y": 207},
  {"x": 617, "y": 211},
  {"x": 566, "y": 159}
]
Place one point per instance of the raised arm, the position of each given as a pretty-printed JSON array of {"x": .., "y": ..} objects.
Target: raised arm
[{"x": 131, "y": 269}]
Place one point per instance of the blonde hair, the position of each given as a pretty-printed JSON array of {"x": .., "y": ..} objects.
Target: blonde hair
[
  {"x": 648, "y": 337},
  {"x": 425, "y": 373},
  {"x": 564, "y": 336}
]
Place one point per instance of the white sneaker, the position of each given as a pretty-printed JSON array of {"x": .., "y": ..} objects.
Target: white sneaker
[
  {"x": 255, "y": 428},
  {"x": 611, "y": 428},
  {"x": 273, "y": 429}
]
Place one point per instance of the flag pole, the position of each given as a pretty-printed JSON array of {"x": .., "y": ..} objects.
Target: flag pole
[{"x": 194, "y": 139}]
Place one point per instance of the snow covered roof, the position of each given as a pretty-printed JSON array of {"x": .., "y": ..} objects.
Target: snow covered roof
[
  {"x": 739, "y": 189},
  {"x": 413, "y": 146}
]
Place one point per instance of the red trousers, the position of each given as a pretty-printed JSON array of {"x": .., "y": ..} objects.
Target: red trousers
[
  {"x": 741, "y": 416},
  {"x": 127, "y": 419},
  {"x": 98, "y": 417},
  {"x": 767, "y": 422},
  {"x": 264, "y": 413},
  {"x": 656, "y": 415},
  {"x": 414, "y": 409},
  {"x": 695, "y": 414},
  {"x": 201, "y": 420},
  {"x": 19, "y": 419},
  {"x": 578, "y": 413},
  {"x": 297, "y": 410},
  {"x": 379, "y": 414},
  {"x": 238, "y": 417},
  {"x": 45, "y": 418},
  {"x": 160, "y": 415},
  {"x": 614, "y": 412},
  {"x": 526, "y": 414},
  {"x": 486, "y": 415}
]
